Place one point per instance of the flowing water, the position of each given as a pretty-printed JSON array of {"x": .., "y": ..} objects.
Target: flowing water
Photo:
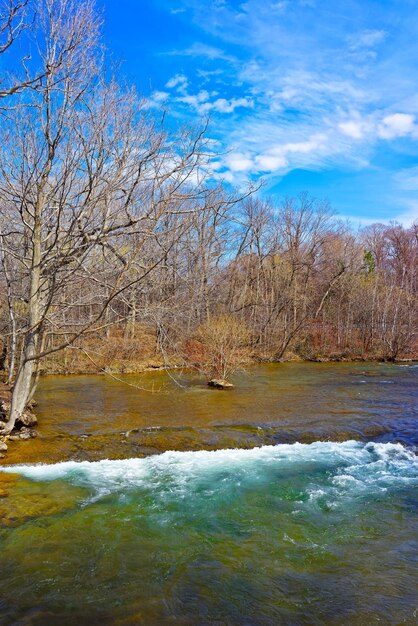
[{"x": 239, "y": 524}]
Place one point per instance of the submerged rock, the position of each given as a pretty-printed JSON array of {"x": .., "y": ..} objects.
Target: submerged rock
[
  {"x": 16, "y": 507},
  {"x": 22, "y": 434},
  {"x": 219, "y": 383},
  {"x": 27, "y": 433}
]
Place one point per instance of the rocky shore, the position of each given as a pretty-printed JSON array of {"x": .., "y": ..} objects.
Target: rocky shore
[{"x": 23, "y": 428}]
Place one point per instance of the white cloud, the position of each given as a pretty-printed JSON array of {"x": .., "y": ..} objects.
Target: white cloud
[
  {"x": 407, "y": 179},
  {"x": 156, "y": 99},
  {"x": 305, "y": 147},
  {"x": 222, "y": 105},
  {"x": 357, "y": 126},
  {"x": 410, "y": 215},
  {"x": 208, "y": 74},
  {"x": 279, "y": 6},
  {"x": 237, "y": 162},
  {"x": 397, "y": 125},
  {"x": 352, "y": 129},
  {"x": 279, "y": 157},
  {"x": 159, "y": 96},
  {"x": 178, "y": 81},
  {"x": 271, "y": 163},
  {"x": 372, "y": 126},
  {"x": 202, "y": 103},
  {"x": 197, "y": 101}
]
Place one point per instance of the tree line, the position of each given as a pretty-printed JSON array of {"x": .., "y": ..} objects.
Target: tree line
[
  {"x": 270, "y": 281},
  {"x": 113, "y": 226}
]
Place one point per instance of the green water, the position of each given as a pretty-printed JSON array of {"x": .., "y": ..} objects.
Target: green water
[{"x": 323, "y": 532}]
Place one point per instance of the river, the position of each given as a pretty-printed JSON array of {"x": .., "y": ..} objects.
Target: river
[{"x": 291, "y": 499}]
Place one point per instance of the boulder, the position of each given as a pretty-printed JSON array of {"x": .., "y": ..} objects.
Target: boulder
[
  {"x": 28, "y": 419},
  {"x": 3, "y": 446},
  {"x": 219, "y": 383},
  {"x": 27, "y": 433}
]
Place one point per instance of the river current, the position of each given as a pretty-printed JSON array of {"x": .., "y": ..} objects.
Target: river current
[{"x": 308, "y": 514}]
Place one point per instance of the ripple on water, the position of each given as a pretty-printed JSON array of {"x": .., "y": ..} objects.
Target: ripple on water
[{"x": 303, "y": 533}]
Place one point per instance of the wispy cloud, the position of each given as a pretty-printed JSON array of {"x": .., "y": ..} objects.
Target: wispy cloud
[
  {"x": 366, "y": 39},
  {"x": 203, "y": 50},
  {"x": 179, "y": 80},
  {"x": 301, "y": 85},
  {"x": 204, "y": 101}
]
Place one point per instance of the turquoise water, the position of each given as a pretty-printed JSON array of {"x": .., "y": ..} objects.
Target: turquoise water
[{"x": 320, "y": 533}]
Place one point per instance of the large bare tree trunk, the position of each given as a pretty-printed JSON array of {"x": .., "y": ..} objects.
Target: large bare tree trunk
[
  {"x": 20, "y": 394},
  {"x": 23, "y": 384}
]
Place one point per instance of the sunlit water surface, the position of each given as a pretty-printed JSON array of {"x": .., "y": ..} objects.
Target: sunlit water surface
[{"x": 320, "y": 532}]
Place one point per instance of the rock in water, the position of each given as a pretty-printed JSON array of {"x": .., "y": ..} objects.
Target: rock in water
[
  {"x": 3, "y": 446},
  {"x": 219, "y": 383},
  {"x": 27, "y": 433},
  {"x": 28, "y": 419}
]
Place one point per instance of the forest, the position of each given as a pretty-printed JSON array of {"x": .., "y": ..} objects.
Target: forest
[{"x": 122, "y": 247}]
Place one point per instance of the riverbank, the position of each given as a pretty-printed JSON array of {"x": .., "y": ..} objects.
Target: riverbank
[
  {"x": 117, "y": 354},
  {"x": 84, "y": 365},
  {"x": 23, "y": 428}
]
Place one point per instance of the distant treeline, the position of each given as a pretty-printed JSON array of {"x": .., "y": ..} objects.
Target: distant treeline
[{"x": 254, "y": 281}]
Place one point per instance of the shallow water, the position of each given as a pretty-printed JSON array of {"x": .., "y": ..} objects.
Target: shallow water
[
  {"x": 95, "y": 417},
  {"x": 322, "y": 532}
]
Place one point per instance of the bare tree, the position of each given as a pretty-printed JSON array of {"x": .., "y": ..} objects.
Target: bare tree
[
  {"x": 86, "y": 181},
  {"x": 17, "y": 20},
  {"x": 220, "y": 346}
]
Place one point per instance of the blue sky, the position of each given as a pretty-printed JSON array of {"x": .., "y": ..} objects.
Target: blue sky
[{"x": 308, "y": 95}]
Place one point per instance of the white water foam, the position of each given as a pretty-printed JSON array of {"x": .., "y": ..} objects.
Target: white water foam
[{"x": 334, "y": 471}]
